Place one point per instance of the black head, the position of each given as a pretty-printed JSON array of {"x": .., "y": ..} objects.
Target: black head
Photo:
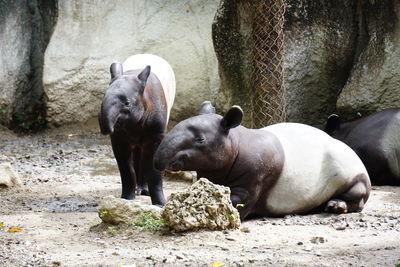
[
  {"x": 200, "y": 143},
  {"x": 123, "y": 103}
]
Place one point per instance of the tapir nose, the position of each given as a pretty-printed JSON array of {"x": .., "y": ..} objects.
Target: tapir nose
[
  {"x": 161, "y": 157},
  {"x": 170, "y": 150},
  {"x": 106, "y": 126},
  {"x": 106, "y": 131},
  {"x": 108, "y": 116}
]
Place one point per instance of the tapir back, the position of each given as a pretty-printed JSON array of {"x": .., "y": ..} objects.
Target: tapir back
[
  {"x": 161, "y": 68},
  {"x": 376, "y": 140}
]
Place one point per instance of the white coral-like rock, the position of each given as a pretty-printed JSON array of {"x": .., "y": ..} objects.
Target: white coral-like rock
[{"x": 203, "y": 205}]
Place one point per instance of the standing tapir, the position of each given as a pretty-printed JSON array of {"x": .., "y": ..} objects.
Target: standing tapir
[
  {"x": 281, "y": 169},
  {"x": 376, "y": 140},
  {"x": 135, "y": 112}
]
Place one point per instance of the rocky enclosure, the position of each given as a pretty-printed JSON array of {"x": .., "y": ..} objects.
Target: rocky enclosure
[{"x": 338, "y": 56}]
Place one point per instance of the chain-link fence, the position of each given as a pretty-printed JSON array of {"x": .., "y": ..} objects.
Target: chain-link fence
[{"x": 268, "y": 97}]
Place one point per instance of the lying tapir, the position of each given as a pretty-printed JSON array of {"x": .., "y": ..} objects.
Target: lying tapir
[
  {"x": 135, "y": 112},
  {"x": 286, "y": 168},
  {"x": 376, "y": 140}
]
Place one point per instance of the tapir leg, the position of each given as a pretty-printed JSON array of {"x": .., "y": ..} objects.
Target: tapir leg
[
  {"x": 352, "y": 199},
  {"x": 124, "y": 157},
  {"x": 242, "y": 201},
  {"x": 141, "y": 187},
  {"x": 152, "y": 176}
]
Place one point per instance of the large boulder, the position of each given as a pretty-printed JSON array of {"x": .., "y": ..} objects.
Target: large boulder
[
  {"x": 231, "y": 34},
  {"x": 319, "y": 48},
  {"x": 374, "y": 83},
  {"x": 203, "y": 205},
  {"x": 331, "y": 48},
  {"x": 90, "y": 35},
  {"x": 15, "y": 38},
  {"x": 25, "y": 28}
]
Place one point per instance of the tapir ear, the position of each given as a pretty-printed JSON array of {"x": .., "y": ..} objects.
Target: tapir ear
[
  {"x": 206, "y": 108},
  {"x": 232, "y": 118},
  {"x": 332, "y": 124},
  {"x": 144, "y": 75},
  {"x": 116, "y": 69}
]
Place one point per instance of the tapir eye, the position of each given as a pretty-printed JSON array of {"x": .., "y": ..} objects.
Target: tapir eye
[
  {"x": 127, "y": 103},
  {"x": 200, "y": 141}
]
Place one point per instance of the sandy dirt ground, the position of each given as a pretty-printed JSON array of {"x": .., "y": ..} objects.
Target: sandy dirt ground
[{"x": 66, "y": 171}]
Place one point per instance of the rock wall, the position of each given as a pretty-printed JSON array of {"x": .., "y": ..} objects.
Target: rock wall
[
  {"x": 25, "y": 29},
  {"x": 231, "y": 33},
  {"x": 374, "y": 82},
  {"x": 90, "y": 35},
  {"x": 340, "y": 56},
  {"x": 320, "y": 39}
]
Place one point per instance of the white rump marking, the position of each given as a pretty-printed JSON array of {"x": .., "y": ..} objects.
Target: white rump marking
[
  {"x": 316, "y": 165},
  {"x": 161, "y": 68}
]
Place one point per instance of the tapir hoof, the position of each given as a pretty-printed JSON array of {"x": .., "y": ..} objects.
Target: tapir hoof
[
  {"x": 336, "y": 206},
  {"x": 143, "y": 191},
  {"x": 129, "y": 196}
]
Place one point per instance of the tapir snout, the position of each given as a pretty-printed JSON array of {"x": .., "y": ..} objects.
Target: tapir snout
[
  {"x": 108, "y": 117},
  {"x": 170, "y": 154}
]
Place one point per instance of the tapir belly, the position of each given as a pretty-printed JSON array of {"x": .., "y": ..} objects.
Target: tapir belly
[
  {"x": 161, "y": 69},
  {"x": 316, "y": 167}
]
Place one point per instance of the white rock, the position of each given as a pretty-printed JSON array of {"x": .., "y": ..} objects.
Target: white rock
[
  {"x": 117, "y": 210},
  {"x": 8, "y": 177},
  {"x": 203, "y": 205}
]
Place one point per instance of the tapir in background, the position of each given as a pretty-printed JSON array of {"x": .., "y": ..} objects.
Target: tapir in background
[
  {"x": 376, "y": 140},
  {"x": 135, "y": 112},
  {"x": 286, "y": 168}
]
